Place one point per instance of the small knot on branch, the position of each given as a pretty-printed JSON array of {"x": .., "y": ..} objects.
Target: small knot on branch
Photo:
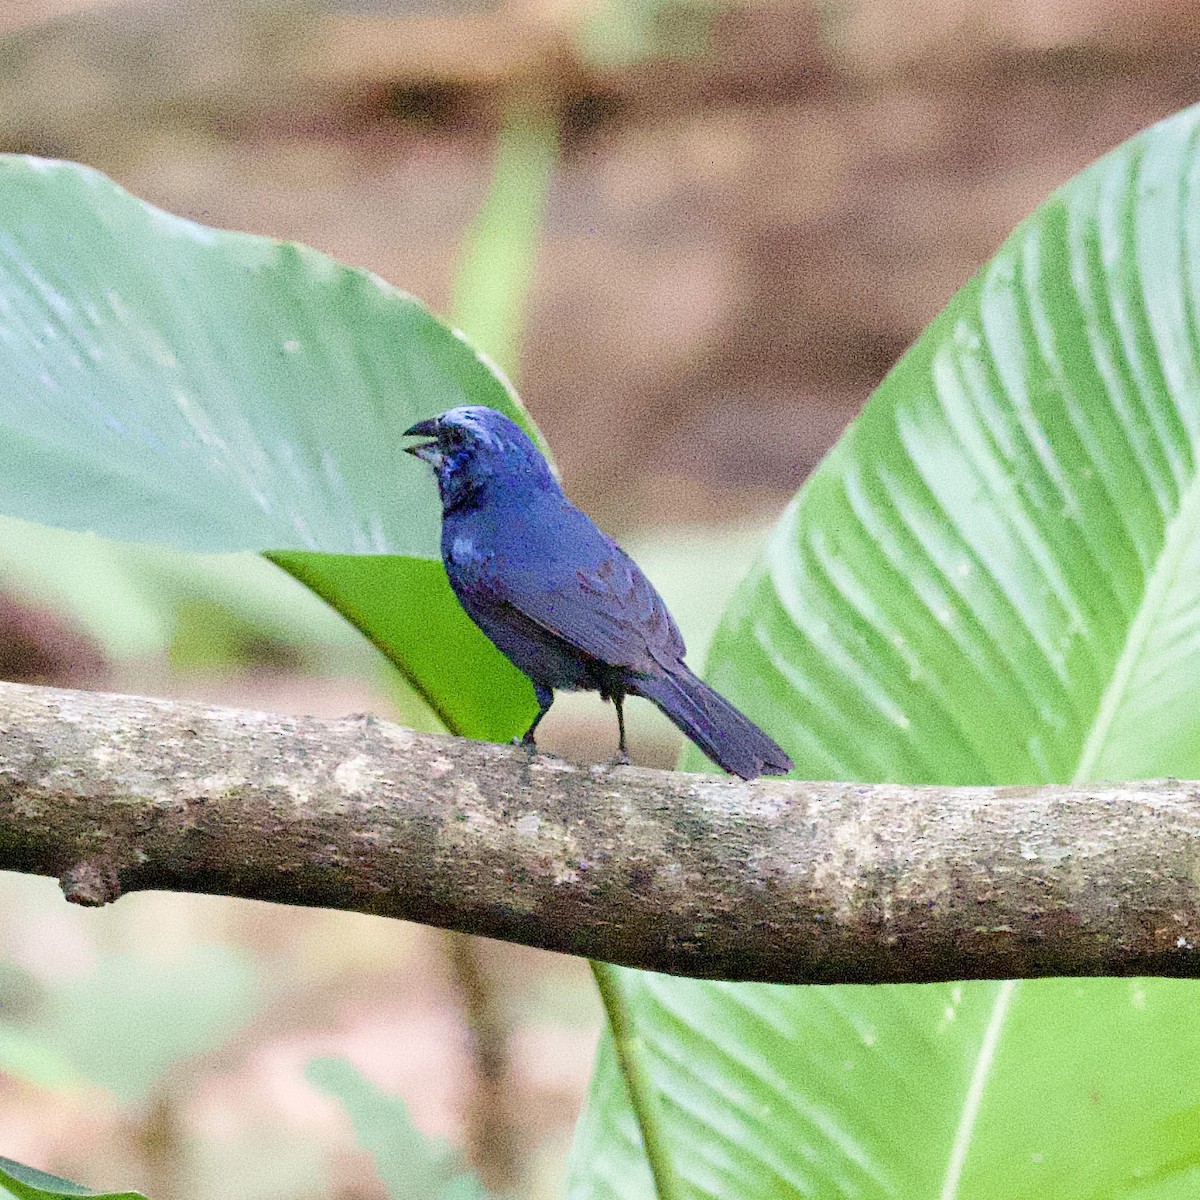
[{"x": 92, "y": 882}]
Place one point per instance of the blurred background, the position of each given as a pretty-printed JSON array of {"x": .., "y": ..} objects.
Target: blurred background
[{"x": 697, "y": 233}]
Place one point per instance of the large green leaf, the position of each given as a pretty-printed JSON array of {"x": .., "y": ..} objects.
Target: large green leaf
[
  {"x": 994, "y": 577},
  {"x": 217, "y": 391},
  {"x": 27, "y": 1183}
]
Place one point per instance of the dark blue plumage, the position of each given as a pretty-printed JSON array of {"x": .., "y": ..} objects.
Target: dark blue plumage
[{"x": 561, "y": 599}]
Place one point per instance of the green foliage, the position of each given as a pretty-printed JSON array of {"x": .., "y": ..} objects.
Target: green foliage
[
  {"x": 994, "y": 578},
  {"x": 499, "y": 250},
  {"x": 141, "y": 602},
  {"x": 1060, "y": 1088},
  {"x": 26, "y": 1055},
  {"x": 133, "y": 600},
  {"x": 223, "y": 392},
  {"x": 125, "y": 1023},
  {"x": 131, "y": 1017},
  {"x": 27, "y": 1183},
  {"x": 411, "y": 1165},
  {"x": 620, "y": 33}
]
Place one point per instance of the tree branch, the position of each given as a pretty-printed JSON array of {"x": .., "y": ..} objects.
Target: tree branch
[{"x": 691, "y": 874}]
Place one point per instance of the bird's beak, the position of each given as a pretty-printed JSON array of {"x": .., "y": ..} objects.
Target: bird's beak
[{"x": 426, "y": 451}]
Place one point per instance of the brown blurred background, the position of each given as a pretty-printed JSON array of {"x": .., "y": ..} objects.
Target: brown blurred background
[{"x": 756, "y": 206}]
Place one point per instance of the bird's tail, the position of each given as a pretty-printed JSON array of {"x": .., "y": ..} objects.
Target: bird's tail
[{"x": 730, "y": 739}]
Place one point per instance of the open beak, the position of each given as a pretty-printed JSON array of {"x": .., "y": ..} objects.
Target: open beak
[{"x": 426, "y": 451}]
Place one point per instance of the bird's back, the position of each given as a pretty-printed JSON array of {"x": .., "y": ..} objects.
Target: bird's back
[{"x": 537, "y": 555}]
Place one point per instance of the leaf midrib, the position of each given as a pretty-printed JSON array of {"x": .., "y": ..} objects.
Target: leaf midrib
[
  {"x": 973, "y": 1101},
  {"x": 1181, "y": 533}
]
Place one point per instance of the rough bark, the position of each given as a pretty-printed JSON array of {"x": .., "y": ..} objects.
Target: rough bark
[{"x": 692, "y": 874}]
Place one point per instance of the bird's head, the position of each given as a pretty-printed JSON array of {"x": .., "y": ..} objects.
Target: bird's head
[{"x": 471, "y": 446}]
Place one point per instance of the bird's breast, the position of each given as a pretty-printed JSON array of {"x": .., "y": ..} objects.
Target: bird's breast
[{"x": 469, "y": 560}]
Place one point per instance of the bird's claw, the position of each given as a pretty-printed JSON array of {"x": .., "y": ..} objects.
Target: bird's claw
[{"x": 620, "y": 759}]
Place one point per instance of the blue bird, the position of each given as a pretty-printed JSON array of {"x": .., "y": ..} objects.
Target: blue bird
[{"x": 559, "y": 598}]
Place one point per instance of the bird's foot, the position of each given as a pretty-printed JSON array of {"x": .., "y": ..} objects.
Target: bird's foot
[
  {"x": 528, "y": 743},
  {"x": 620, "y": 759}
]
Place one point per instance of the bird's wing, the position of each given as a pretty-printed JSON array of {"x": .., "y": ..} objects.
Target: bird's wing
[{"x": 607, "y": 608}]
